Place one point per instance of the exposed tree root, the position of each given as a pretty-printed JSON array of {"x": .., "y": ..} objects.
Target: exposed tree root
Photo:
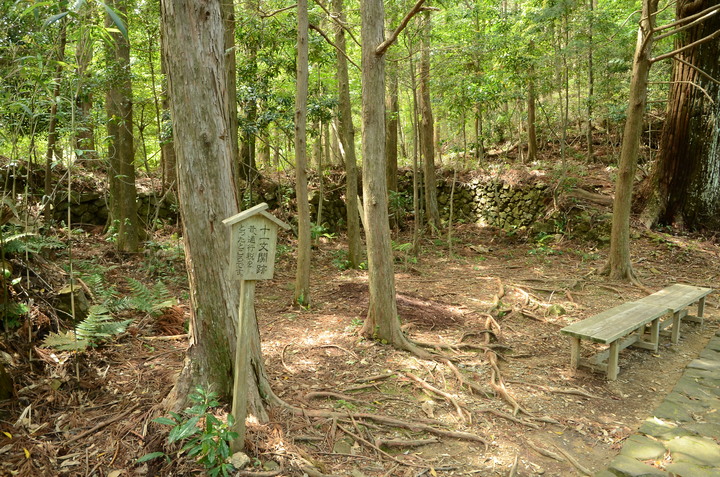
[
  {"x": 545, "y": 452},
  {"x": 462, "y": 413},
  {"x": 573, "y": 461},
  {"x": 510, "y": 418},
  {"x": 330, "y": 394}
]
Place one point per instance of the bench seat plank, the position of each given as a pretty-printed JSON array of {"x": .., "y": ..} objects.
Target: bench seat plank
[
  {"x": 612, "y": 324},
  {"x": 676, "y": 297}
]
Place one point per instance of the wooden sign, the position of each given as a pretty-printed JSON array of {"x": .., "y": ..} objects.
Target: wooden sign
[{"x": 254, "y": 242}]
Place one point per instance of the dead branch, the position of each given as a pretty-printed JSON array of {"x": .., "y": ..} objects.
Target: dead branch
[
  {"x": 101, "y": 425},
  {"x": 462, "y": 413},
  {"x": 583, "y": 194},
  {"x": 275, "y": 12},
  {"x": 164, "y": 338},
  {"x": 689, "y": 18},
  {"x": 702, "y": 73},
  {"x": 333, "y": 17},
  {"x": 330, "y": 42},
  {"x": 670, "y": 54},
  {"x": 331, "y": 394},
  {"x": 573, "y": 461},
  {"x": 380, "y": 50},
  {"x": 267, "y": 473},
  {"x": 405, "y": 442}
]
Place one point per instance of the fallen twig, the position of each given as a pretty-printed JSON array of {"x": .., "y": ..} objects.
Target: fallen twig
[
  {"x": 340, "y": 348},
  {"x": 100, "y": 426}
]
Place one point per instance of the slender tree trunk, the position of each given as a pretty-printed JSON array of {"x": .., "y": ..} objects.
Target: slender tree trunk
[
  {"x": 346, "y": 132},
  {"x": 591, "y": 81},
  {"x": 121, "y": 148},
  {"x": 392, "y": 110},
  {"x": 194, "y": 54},
  {"x": 228, "y": 17},
  {"x": 427, "y": 134},
  {"x": 684, "y": 186},
  {"x": 167, "y": 145},
  {"x": 531, "y": 122},
  {"x": 382, "y": 321},
  {"x": 302, "y": 276},
  {"x": 85, "y": 128},
  {"x": 52, "y": 146},
  {"x": 619, "y": 265}
]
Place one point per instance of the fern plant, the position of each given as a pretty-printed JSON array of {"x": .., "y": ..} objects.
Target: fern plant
[
  {"x": 97, "y": 327},
  {"x": 152, "y": 301}
]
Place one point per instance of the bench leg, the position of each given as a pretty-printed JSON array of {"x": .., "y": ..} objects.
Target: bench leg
[
  {"x": 612, "y": 366},
  {"x": 574, "y": 353},
  {"x": 675, "y": 337},
  {"x": 701, "y": 310},
  {"x": 655, "y": 334}
]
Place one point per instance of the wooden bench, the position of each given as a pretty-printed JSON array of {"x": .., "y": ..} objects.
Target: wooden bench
[
  {"x": 618, "y": 327},
  {"x": 626, "y": 325},
  {"x": 678, "y": 298}
]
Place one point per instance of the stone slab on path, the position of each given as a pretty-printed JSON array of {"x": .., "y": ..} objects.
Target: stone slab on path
[{"x": 681, "y": 437}]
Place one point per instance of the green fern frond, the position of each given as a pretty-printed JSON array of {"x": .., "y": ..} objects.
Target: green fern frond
[
  {"x": 150, "y": 300},
  {"x": 97, "y": 327},
  {"x": 65, "y": 342}
]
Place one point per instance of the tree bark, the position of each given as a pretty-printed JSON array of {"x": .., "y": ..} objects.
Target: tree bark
[
  {"x": 346, "y": 131},
  {"x": 194, "y": 54},
  {"x": 121, "y": 149},
  {"x": 684, "y": 186},
  {"x": 228, "y": 18},
  {"x": 302, "y": 276},
  {"x": 382, "y": 320},
  {"x": 619, "y": 265},
  {"x": 427, "y": 125},
  {"x": 392, "y": 110}
]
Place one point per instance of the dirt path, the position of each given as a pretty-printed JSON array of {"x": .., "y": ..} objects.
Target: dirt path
[{"x": 100, "y": 424}]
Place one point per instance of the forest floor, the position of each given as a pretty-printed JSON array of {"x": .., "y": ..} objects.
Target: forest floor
[{"x": 91, "y": 415}]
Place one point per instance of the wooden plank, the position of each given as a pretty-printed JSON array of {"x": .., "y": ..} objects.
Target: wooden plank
[
  {"x": 676, "y": 297},
  {"x": 615, "y": 323}
]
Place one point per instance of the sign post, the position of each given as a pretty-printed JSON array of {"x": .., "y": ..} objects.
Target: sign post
[{"x": 252, "y": 257}]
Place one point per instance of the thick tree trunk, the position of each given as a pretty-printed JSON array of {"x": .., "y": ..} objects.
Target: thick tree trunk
[
  {"x": 618, "y": 265},
  {"x": 302, "y": 275},
  {"x": 346, "y": 131},
  {"x": 194, "y": 54},
  {"x": 684, "y": 186},
  {"x": 121, "y": 149},
  {"x": 427, "y": 126}
]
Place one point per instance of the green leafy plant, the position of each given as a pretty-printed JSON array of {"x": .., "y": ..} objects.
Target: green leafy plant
[
  {"x": 96, "y": 328},
  {"x": 205, "y": 437},
  {"x": 317, "y": 231}
]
